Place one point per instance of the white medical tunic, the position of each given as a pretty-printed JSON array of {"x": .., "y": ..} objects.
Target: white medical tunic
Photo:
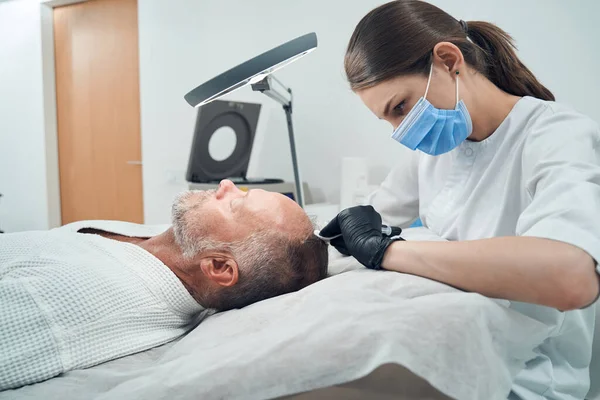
[{"x": 537, "y": 175}]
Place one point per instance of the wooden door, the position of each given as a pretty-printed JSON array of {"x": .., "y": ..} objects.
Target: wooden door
[{"x": 98, "y": 106}]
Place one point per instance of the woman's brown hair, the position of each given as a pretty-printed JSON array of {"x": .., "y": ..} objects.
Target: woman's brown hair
[{"x": 398, "y": 38}]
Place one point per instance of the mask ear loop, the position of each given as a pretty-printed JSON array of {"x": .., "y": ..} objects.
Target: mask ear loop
[
  {"x": 457, "y": 74},
  {"x": 428, "y": 81}
]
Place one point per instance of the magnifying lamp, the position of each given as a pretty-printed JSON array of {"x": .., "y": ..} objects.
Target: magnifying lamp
[{"x": 257, "y": 72}]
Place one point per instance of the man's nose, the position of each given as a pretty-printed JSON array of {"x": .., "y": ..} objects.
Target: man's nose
[{"x": 226, "y": 187}]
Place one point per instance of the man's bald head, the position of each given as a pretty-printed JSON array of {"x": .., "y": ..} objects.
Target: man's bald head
[{"x": 268, "y": 236}]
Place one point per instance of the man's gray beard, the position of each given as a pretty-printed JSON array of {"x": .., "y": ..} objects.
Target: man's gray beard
[{"x": 189, "y": 240}]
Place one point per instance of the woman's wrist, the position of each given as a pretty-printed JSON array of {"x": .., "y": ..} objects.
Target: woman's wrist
[{"x": 393, "y": 255}]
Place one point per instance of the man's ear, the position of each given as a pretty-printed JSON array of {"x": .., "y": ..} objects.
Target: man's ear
[
  {"x": 448, "y": 55},
  {"x": 221, "y": 269}
]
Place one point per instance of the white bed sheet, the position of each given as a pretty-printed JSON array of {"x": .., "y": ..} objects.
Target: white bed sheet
[{"x": 335, "y": 331}]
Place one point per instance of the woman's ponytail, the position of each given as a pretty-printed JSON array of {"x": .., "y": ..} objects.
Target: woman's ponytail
[
  {"x": 397, "y": 39},
  {"x": 501, "y": 64}
]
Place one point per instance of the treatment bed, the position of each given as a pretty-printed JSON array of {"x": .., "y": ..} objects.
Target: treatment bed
[{"x": 357, "y": 334}]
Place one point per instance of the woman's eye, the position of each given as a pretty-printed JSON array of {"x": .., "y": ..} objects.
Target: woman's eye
[{"x": 399, "y": 109}]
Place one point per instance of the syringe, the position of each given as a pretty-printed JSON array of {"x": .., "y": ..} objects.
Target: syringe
[
  {"x": 385, "y": 230},
  {"x": 390, "y": 230}
]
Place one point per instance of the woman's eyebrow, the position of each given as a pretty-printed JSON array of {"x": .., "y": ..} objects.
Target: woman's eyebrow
[{"x": 389, "y": 103}]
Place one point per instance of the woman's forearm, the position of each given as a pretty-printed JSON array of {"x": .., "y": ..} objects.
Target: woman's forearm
[{"x": 526, "y": 269}]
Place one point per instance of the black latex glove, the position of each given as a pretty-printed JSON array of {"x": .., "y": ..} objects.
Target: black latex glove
[{"x": 361, "y": 238}]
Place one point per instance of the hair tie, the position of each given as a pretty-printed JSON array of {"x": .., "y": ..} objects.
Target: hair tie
[{"x": 464, "y": 26}]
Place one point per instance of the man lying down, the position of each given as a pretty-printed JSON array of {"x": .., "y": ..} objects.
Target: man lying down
[{"x": 89, "y": 292}]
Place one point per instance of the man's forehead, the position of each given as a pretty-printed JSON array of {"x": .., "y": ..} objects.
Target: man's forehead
[{"x": 279, "y": 209}]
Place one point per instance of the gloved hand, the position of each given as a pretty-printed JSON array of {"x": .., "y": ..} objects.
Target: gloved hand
[{"x": 361, "y": 237}]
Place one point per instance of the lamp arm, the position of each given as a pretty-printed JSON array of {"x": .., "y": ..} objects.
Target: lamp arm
[
  {"x": 272, "y": 87},
  {"x": 297, "y": 177},
  {"x": 284, "y": 98},
  {"x": 277, "y": 97}
]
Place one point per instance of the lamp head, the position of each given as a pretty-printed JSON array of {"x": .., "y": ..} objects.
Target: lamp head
[{"x": 252, "y": 70}]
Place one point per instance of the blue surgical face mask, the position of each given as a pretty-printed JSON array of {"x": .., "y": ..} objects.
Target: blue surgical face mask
[{"x": 431, "y": 130}]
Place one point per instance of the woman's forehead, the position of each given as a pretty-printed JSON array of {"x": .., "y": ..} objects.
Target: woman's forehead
[{"x": 378, "y": 96}]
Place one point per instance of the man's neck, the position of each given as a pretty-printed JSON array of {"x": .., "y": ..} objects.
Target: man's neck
[{"x": 165, "y": 248}]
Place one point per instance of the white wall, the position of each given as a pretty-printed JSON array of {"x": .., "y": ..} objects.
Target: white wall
[
  {"x": 28, "y": 202},
  {"x": 186, "y": 42}
]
